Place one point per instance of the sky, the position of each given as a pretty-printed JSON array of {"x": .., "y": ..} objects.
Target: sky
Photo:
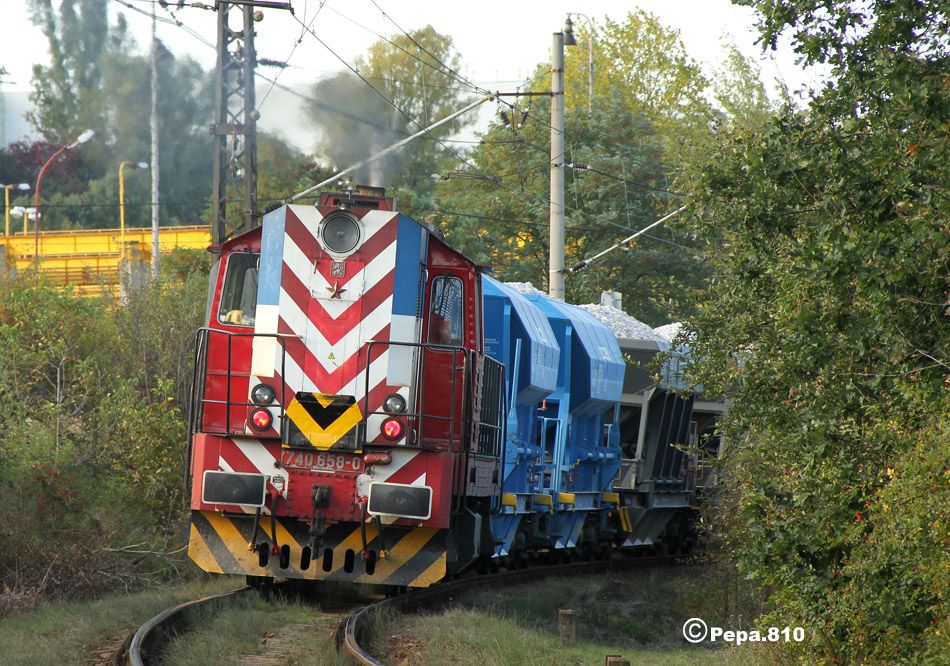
[{"x": 500, "y": 41}]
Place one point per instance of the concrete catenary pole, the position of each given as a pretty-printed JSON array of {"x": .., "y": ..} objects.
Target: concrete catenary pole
[
  {"x": 154, "y": 123},
  {"x": 556, "y": 248}
]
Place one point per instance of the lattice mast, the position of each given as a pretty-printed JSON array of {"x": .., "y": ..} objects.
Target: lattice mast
[{"x": 235, "y": 125}]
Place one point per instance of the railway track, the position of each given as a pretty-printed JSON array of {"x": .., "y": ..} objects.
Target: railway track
[{"x": 148, "y": 642}]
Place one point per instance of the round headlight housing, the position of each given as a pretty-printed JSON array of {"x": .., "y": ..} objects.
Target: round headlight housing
[
  {"x": 340, "y": 232},
  {"x": 394, "y": 404},
  {"x": 262, "y": 394}
]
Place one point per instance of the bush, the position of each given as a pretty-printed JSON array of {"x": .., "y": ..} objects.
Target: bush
[{"x": 91, "y": 404}]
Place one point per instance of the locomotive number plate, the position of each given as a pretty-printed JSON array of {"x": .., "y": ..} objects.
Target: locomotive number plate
[{"x": 324, "y": 462}]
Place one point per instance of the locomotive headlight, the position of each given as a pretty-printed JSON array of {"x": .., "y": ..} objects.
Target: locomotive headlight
[
  {"x": 261, "y": 419},
  {"x": 263, "y": 394},
  {"x": 340, "y": 232},
  {"x": 392, "y": 429},
  {"x": 400, "y": 500},
  {"x": 394, "y": 404}
]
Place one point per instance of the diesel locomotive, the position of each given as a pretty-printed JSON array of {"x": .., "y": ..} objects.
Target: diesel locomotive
[{"x": 370, "y": 405}]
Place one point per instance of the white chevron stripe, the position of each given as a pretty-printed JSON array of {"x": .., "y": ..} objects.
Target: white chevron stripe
[
  {"x": 378, "y": 267},
  {"x": 297, "y": 380},
  {"x": 371, "y": 273},
  {"x": 372, "y": 222},
  {"x": 400, "y": 458},
  {"x": 301, "y": 326}
]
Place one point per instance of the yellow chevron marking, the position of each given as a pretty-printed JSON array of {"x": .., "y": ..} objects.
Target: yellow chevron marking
[
  {"x": 400, "y": 554},
  {"x": 353, "y": 542},
  {"x": 320, "y": 438},
  {"x": 613, "y": 498},
  {"x": 324, "y": 400},
  {"x": 200, "y": 554},
  {"x": 234, "y": 541},
  {"x": 433, "y": 573}
]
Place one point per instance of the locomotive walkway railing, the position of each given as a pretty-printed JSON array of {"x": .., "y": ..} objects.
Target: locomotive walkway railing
[
  {"x": 462, "y": 434},
  {"x": 199, "y": 383}
]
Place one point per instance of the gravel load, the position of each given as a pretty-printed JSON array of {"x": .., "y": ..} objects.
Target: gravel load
[
  {"x": 622, "y": 324},
  {"x": 669, "y": 331},
  {"x": 525, "y": 288},
  {"x": 618, "y": 321}
]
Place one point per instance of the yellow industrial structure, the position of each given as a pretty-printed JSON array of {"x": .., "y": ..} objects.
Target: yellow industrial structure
[{"x": 90, "y": 259}]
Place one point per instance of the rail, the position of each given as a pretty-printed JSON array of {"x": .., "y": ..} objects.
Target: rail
[{"x": 146, "y": 641}]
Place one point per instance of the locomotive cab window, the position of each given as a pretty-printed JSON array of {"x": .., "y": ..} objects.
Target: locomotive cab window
[
  {"x": 239, "y": 293},
  {"x": 445, "y": 312}
]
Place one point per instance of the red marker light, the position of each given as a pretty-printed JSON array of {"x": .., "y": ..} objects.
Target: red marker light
[
  {"x": 260, "y": 419},
  {"x": 392, "y": 429}
]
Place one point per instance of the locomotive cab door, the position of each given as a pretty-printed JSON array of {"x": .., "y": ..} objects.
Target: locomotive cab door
[{"x": 443, "y": 367}]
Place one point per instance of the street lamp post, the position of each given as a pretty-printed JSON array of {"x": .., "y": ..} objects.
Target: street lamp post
[
  {"x": 122, "y": 165},
  {"x": 23, "y": 187},
  {"x": 82, "y": 138},
  {"x": 569, "y": 40}
]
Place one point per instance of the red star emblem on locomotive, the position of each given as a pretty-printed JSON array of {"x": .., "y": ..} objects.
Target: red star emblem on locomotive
[{"x": 336, "y": 290}]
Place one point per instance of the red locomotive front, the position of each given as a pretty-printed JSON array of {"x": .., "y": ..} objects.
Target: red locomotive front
[{"x": 339, "y": 426}]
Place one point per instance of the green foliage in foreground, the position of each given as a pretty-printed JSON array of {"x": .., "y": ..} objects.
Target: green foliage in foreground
[
  {"x": 829, "y": 330},
  {"x": 91, "y": 406}
]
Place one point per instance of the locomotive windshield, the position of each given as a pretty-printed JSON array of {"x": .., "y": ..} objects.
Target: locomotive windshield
[
  {"x": 445, "y": 312},
  {"x": 239, "y": 294}
]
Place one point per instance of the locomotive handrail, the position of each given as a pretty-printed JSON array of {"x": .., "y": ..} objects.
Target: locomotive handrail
[
  {"x": 419, "y": 415},
  {"x": 197, "y": 399}
]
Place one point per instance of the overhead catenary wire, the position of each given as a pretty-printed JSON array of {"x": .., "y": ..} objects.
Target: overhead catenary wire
[
  {"x": 410, "y": 118},
  {"x": 412, "y": 39},
  {"x": 580, "y": 265},
  {"x": 291, "y": 54},
  {"x": 450, "y": 73},
  {"x": 424, "y": 134}
]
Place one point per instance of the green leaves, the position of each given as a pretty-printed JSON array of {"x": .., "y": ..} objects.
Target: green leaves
[
  {"x": 830, "y": 281},
  {"x": 415, "y": 72},
  {"x": 91, "y": 403}
]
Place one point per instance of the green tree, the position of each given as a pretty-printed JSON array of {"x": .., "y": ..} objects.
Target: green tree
[
  {"x": 738, "y": 90},
  {"x": 67, "y": 96},
  {"x": 415, "y": 72},
  {"x": 502, "y": 219},
  {"x": 648, "y": 65},
  {"x": 829, "y": 331},
  {"x": 95, "y": 80},
  {"x": 652, "y": 109}
]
